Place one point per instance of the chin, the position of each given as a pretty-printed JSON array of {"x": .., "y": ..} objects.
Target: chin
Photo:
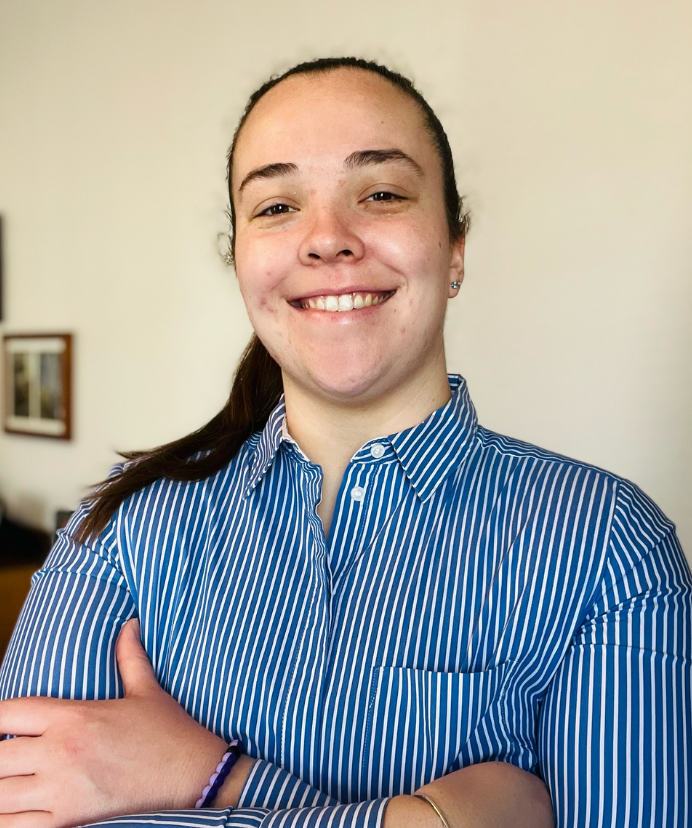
[{"x": 348, "y": 383}]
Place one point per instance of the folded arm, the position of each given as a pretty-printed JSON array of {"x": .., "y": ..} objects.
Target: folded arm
[
  {"x": 488, "y": 795},
  {"x": 64, "y": 648}
]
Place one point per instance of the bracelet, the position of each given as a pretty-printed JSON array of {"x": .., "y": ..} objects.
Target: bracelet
[
  {"x": 434, "y": 807},
  {"x": 235, "y": 749}
]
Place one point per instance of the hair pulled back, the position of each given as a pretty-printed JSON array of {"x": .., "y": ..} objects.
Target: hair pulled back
[{"x": 257, "y": 383}]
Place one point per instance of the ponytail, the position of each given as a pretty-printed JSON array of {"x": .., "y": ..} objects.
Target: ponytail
[{"x": 257, "y": 388}]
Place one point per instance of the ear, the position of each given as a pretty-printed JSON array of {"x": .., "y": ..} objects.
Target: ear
[{"x": 456, "y": 265}]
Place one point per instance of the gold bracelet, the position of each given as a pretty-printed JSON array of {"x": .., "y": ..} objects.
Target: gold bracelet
[{"x": 434, "y": 807}]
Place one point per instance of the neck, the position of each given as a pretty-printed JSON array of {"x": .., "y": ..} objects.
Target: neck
[{"x": 329, "y": 433}]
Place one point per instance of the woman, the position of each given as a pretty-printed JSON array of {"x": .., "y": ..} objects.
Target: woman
[{"x": 377, "y": 595}]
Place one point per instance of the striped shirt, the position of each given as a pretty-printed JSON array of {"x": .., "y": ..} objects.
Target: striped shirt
[{"x": 478, "y": 599}]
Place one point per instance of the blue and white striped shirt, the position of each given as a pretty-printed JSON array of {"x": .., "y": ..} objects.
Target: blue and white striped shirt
[{"x": 478, "y": 599}]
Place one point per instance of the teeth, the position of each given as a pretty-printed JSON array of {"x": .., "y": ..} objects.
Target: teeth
[{"x": 345, "y": 301}]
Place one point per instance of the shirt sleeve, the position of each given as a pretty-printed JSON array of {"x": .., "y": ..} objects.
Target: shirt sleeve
[
  {"x": 288, "y": 803},
  {"x": 356, "y": 815},
  {"x": 64, "y": 647},
  {"x": 615, "y": 728}
]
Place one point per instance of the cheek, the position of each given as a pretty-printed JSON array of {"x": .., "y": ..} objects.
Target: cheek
[
  {"x": 260, "y": 270},
  {"x": 412, "y": 248}
]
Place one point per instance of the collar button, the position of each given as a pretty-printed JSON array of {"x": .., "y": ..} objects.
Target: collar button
[{"x": 377, "y": 450}]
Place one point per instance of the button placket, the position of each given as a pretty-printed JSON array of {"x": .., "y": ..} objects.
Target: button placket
[
  {"x": 349, "y": 517},
  {"x": 358, "y": 494}
]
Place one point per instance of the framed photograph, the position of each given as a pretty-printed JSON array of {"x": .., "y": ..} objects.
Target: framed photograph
[{"x": 38, "y": 384}]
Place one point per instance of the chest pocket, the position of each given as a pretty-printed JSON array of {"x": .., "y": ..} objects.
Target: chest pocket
[{"x": 417, "y": 723}]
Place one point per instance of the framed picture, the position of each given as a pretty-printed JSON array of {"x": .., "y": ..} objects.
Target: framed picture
[
  {"x": 38, "y": 384},
  {"x": 0, "y": 268}
]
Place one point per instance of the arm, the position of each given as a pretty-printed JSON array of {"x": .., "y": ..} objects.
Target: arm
[
  {"x": 615, "y": 730},
  {"x": 64, "y": 647},
  {"x": 82, "y": 747},
  {"x": 488, "y": 795}
]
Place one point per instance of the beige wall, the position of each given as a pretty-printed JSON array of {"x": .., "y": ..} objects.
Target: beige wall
[{"x": 572, "y": 128}]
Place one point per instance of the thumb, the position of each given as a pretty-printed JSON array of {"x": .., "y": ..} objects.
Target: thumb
[{"x": 135, "y": 668}]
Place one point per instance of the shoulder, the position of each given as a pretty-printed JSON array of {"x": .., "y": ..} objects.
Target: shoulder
[
  {"x": 518, "y": 460},
  {"x": 186, "y": 507},
  {"x": 582, "y": 522},
  {"x": 571, "y": 486},
  {"x": 173, "y": 496},
  {"x": 491, "y": 443}
]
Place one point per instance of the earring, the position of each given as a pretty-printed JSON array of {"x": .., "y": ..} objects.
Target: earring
[{"x": 456, "y": 285}]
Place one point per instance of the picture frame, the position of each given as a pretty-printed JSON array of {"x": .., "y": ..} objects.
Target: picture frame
[
  {"x": 1, "y": 270},
  {"x": 37, "y": 387}
]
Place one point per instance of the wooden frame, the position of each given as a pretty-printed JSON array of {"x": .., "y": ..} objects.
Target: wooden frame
[{"x": 38, "y": 385}]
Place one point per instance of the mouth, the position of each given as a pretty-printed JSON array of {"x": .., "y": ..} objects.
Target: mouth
[{"x": 343, "y": 302}]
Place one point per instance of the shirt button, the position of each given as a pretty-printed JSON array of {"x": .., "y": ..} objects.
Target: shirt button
[
  {"x": 357, "y": 493},
  {"x": 377, "y": 450}
]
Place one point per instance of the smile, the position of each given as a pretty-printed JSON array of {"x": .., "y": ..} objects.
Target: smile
[{"x": 340, "y": 303}]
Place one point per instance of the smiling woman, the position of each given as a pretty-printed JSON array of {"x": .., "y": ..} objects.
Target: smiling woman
[{"x": 355, "y": 605}]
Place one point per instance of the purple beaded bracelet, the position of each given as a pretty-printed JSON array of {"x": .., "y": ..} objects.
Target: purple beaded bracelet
[{"x": 235, "y": 749}]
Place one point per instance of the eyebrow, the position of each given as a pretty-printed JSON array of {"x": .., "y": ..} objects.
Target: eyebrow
[
  {"x": 268, "y": 171},
  {"x": 355, "y": 160},
  {"x": 365, "y": 158}
]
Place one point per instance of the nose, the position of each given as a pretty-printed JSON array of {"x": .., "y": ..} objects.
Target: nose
[{"x": 330, "y": 238}]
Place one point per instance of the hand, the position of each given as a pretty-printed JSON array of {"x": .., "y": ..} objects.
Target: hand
[{"x": 76, "y": 762}]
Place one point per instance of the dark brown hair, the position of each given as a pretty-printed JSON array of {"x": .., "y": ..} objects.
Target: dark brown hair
[{"x": 257, "y": 384}]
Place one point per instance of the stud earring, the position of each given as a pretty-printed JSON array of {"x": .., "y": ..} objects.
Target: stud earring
[{"x": 456, "y": 285}]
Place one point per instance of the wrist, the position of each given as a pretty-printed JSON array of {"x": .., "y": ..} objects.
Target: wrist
[
  {"x": 410, "y": 811},
  {"x": 201, "y": 764},
  {"x": 229, "y": 793}
]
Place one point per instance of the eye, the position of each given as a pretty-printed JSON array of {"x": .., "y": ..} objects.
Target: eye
[
  {"x": 276, "y": 210},
  {"x": 385, "y": 195}
]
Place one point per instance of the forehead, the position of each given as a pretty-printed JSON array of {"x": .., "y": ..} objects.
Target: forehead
[{"x": 324, "y": 117}]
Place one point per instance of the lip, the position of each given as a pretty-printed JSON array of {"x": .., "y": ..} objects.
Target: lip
[
  {"x": 332, "y": 291},
  {"x": 369, "y": 301}
]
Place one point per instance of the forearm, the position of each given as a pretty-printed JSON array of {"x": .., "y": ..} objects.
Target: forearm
[{"x": 492, "y": 794}]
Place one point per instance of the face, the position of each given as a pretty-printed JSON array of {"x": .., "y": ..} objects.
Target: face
[{"x": 342, "y": 247}]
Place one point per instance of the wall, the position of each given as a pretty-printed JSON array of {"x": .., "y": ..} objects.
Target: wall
[{"x": 572, "y": 127}]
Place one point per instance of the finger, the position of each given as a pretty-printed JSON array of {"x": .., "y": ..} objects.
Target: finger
[
  {"x": 135, "y": 668},
  {"x": 19, "y": 793},
  {"x": 18, "y": 757},
  {"x": 29, "y": 819},
  {"x": 30, "y": 716}
]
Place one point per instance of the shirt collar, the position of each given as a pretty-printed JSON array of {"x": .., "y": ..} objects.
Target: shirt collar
[
  {"x": 267, "y": 446},
  {"x": 426, "y": 451},
  {"x": 429, "y": 450}
]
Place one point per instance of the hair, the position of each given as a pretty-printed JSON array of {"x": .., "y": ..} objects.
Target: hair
[{"x": 257, "y": 383}]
